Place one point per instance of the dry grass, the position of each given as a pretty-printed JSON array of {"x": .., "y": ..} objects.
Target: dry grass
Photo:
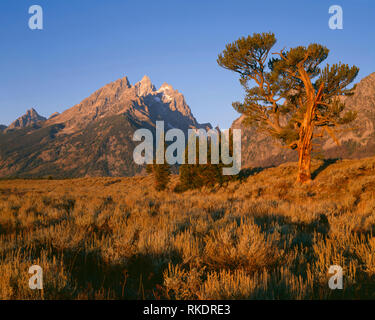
[{"x": 260, "y": 238}]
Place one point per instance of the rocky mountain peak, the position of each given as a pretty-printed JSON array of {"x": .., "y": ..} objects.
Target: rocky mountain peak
[
  {"x": 146, "y": 79},
  {"x": 165, "y": 87},
  {"x": 122, "y": 83},
  {"x": 115, "y": 88},
  {"x": 126, "y": 82},
  {"x": 30, "y": 118},
  {"x": 144, "y": 87},
  {"x": 31, "y": 112},
  {"x": 141, "y": 102}
]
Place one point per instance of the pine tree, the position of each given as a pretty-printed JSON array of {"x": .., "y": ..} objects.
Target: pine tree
[
  {"x": 293, "y": 99},
  {"x": 161, "y": 174},
  {"x": 194, "y": 176}
]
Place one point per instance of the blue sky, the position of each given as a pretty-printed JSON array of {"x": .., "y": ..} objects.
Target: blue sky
[{"x": 86, "y": 44}]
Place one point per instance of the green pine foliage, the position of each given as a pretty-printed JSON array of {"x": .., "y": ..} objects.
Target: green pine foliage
[{"x": 193, "y": 176}]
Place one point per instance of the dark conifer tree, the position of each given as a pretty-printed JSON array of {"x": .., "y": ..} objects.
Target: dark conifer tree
[
  {"x": 198, "y": 175},
  {"x": 161, "y": 174}
]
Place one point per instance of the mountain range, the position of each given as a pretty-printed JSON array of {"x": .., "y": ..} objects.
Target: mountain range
[{"x": 94, "y": 137}]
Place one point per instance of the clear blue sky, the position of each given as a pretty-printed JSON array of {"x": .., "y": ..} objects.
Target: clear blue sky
[{"x": 88, "y": 43}]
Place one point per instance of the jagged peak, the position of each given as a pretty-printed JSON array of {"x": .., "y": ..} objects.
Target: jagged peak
[
  {"x": 145, "y": 82},
  {"x": 30, "y": 117},
  {"x": 122, "y": 83},
  {"x": 144, "y": 86},
  {"x": 146, "y": 79},
  {"x": 142, "y": 100},
  {"x": 166, "y": 86},
  {"x": 126, "y": 81},
  {"x": 31, "y": 111}
]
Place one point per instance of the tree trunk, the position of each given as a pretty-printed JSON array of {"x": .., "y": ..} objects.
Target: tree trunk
[
  {"x": 304, "y": 153},
  {"x": 305, "y": 138}
]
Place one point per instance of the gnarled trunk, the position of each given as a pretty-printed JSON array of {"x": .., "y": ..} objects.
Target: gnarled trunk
[
  {"x": 304, "y": 153},
  {"x": 307, "y": 129}
]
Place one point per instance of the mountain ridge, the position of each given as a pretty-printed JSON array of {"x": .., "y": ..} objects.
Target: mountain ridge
[
  {"x": 30, "y": 118},
  {"x": 94, "y": 137}
]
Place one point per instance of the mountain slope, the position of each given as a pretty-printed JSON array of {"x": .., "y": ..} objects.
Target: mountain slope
[
  {"x": 260, "y": 150},
  {"x": 94, "y": 138}
]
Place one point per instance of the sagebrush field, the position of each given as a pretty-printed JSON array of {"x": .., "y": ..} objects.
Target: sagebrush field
[{"x": 261, "y": 237}]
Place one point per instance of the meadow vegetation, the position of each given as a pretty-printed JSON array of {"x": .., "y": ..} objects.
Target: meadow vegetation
[{"x": 259, "y": 237}]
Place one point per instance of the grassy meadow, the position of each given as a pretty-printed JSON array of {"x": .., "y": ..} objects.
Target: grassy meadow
[{"x": 261, "y": 237}]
